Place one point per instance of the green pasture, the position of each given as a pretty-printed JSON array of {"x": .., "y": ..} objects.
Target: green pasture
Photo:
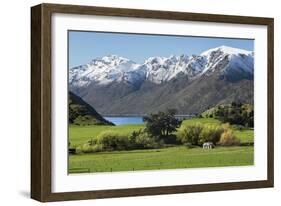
[
  {"x": 167, "y": 158},
  {"x": 153, "y": 159},
  {"x": 81, "y": 134}
]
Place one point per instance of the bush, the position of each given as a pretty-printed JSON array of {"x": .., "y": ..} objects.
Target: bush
[
  {"x": 228, "y": 139},
  {"x": 190, "y": 134},
  {"x": 226, "y": 126},
  {"x": 92, "y": 141},
  {"x": 210, "y": 133},
  {"x": 170, "y": 139},
  {"x": 145, "y": 141},
  {"x": 110, "y": 140},
  {"x": 86, "y": 148}
]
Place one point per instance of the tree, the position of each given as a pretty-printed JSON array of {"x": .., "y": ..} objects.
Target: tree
[
  {"x": 236, "y": 113},
  {"x": 162, "y": 124}
]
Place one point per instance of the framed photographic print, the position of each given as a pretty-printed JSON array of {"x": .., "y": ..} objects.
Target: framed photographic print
[{"x": 130, "y": 102}]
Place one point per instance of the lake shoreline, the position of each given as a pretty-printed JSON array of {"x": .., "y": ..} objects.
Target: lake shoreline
[
  {"x": 135, "y": 119},
  {"x": 143, "y": 115}
]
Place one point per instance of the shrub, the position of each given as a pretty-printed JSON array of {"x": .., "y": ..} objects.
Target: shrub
[
  {"x": 226, "y": 126},
  {"x": 170, "y": 139},
  {"x": 92, "y": 141},
  {"x": 145, "y": 141},
  {"x": 210, "y": 133},
  {"x": 110, "y": 140},
  {"x": 228, "y": 139},
  {"x": 86, "y": 148},
  {"x": 133, "y": 137},
  {"x": 190, "y": 134}
]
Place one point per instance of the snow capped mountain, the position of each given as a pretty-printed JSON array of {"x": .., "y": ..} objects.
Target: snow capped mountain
[
  {"x": 103, "y": 71},
  {"x": 161, "y": 69},
  {"x": 190, "y": 84},
  {"x": 113, "y": 68},
  {"x": 228, "y": 58},
  {"x": 226, "y": 50}
]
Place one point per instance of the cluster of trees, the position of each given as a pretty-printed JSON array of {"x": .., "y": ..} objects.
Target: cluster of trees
[
  {"x": 158, "y": 131},
  {"x": 190, "y": 135},
  {"x": 235, "y": 113},
  {"x": 197, "y": 134}
]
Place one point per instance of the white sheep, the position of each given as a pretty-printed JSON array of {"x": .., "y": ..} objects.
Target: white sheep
[{"x": 208, "y": 145}]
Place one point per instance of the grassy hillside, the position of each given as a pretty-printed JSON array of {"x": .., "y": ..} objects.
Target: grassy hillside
[{"x": 81, "y": 113}]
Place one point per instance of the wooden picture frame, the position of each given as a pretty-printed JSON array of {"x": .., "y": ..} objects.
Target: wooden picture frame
[{"x": 41, "y": 117}]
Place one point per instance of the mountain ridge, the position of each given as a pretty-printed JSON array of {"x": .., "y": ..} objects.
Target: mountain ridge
[
  {"x": 111, "y": 68},
  {"x": 191, "y": 84}
]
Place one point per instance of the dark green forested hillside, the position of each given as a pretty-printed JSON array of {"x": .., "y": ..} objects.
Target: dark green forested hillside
[
  {"x": 81, "y": 113},
  {"x": 234, "y": 113}
]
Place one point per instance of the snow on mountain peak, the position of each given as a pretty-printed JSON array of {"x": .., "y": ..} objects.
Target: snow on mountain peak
[
  {"x": 112, "y": 68},
  {"x": 231, "y": 58},
  {"x": 111, "y": 60},
  {"x": 101, "y": 70},
  {"x": 226, "y": 50},
  {"x": 113, "y": 57}
]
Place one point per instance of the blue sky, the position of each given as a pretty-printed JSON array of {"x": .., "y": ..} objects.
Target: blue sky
[{"x": 85, "y": 46}]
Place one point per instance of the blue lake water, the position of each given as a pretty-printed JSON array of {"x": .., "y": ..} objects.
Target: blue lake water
[
  {"x": 125, "y": 120},
  {"x": 121, "y": 120}
]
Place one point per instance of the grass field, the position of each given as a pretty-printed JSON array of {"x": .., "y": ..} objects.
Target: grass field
[
  {"x": 81, "y": 134},
  {"x": 166, "y": 158}
]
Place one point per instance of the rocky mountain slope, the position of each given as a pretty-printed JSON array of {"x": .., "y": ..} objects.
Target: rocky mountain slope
[{"x": 191, "y": 84}]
